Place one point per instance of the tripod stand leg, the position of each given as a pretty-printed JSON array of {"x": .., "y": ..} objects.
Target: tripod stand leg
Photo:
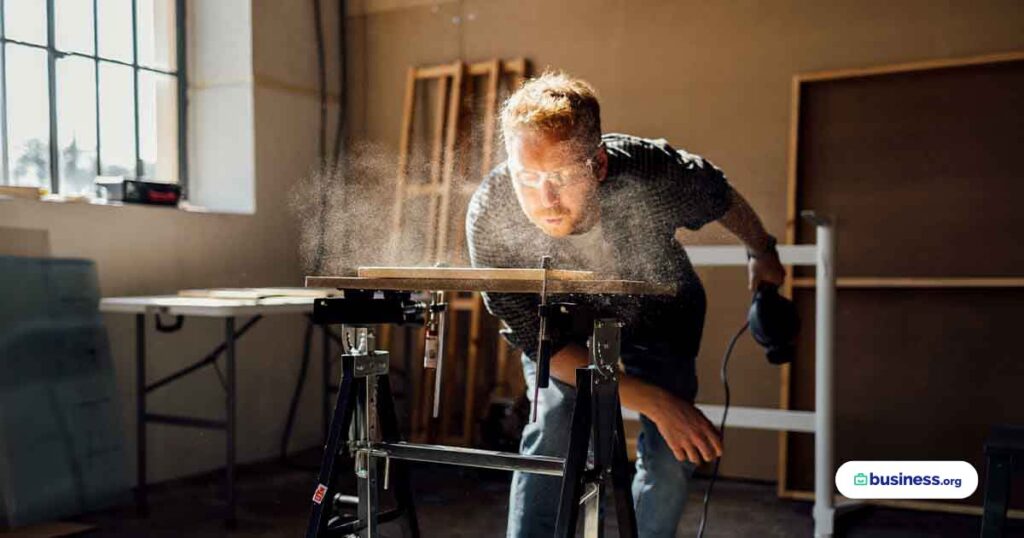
[
  {"x": 340, "y": 421},
  {"x": 399, "y": 479},
  {"x": 366, "y": 466},
  {"x": 621, "y": 487},
  {"x": 593, "y": 523},
  {"x": 576, "y": 457},
  {"x": 604, "y": 402}
]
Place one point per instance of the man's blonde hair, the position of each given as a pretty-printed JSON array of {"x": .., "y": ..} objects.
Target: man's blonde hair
[{"x": 557, "y": 105}]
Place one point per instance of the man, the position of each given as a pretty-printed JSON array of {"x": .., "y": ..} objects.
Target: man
[{"x": 611, "y": 204}]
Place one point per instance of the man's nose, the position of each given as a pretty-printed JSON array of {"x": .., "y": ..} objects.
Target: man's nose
[{"x": 548, "y": 194}]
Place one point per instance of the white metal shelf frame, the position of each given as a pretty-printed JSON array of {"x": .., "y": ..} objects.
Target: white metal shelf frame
[{"x": 821, "y": 421}]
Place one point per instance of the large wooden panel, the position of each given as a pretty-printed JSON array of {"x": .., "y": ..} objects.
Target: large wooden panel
[
  {"x": 921, "y": 167},
  {"x": 923, "y": 170},
  {"x": 920, "y": 375}
]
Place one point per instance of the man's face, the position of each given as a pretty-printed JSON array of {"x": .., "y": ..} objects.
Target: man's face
[{"x": 555, "y": 185}]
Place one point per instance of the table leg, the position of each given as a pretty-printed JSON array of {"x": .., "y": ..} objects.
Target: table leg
[
  {"x": 997, "y": 494},
  {"x": 140, "y": 414},
  {"x": 293, "y": 406},
  {"x": 229, "y": 339},
  {"x": 325, "y": 379}
]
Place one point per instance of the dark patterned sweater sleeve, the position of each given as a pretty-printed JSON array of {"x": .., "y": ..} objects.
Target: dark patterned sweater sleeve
[
  {"x": 703, "y": 191},
  {"x": 682, "y": 189}
]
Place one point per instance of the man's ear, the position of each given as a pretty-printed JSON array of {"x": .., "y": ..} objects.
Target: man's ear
[{"x": 601, "y": 163}]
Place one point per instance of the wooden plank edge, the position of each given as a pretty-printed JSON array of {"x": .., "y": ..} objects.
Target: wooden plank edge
[
  {"x": 560, "y": 287},
  {"x": 785, "y": 374},
  {"x": 472, "y": 273},
  {"x": 917, "y": 282},
  {"x": 923, "y": 65},
  {"x": 435, "y": 71},
  {"x": 48, "y": 530}
]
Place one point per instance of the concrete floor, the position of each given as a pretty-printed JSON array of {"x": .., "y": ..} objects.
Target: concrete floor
[{"x": 455, "y": 503}]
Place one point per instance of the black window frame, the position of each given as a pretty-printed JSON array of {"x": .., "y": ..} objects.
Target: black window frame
[{"x": 53, "y": 54}]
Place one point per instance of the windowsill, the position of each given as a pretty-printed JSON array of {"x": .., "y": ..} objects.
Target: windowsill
[{"x": 183, "y": 206}]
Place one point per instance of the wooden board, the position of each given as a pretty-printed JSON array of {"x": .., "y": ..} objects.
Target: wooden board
[
  {"x": 472, "y": 273},
  {"x": 579, "y": 287},
  {"x": 23, "y": 193},
  {"x": 257, "y": 293}
]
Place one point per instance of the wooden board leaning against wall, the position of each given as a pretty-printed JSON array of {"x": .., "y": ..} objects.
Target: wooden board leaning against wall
[
  {"x": 919, "y": 163},
  {"x": 450, "y": 111}
]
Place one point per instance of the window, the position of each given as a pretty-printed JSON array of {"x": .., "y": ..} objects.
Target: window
[{"x": 92, "y": 88}]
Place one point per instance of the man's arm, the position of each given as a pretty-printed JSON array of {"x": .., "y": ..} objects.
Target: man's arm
[
  {"x": 686, "y": 430},
  {"x": 764, "y": 264}
]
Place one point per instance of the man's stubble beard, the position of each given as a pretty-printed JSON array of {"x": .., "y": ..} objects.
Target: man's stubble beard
[{"x": 591, "y": 215}]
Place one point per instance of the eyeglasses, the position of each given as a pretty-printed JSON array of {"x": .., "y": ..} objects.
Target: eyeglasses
[
  {"x": 558, "y": 178},
  {"x": 565, "y": 177}
]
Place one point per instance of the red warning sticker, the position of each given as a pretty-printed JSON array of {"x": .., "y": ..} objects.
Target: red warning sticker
[{"x": 318, "y": 495}]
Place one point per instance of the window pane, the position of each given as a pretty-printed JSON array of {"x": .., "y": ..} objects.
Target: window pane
[
  {"x": 76, "y": 124},
  {"x": 74, "y": 25},
  {"x": 117, "y": 120},
  {"x": 3, "y": 129},
  {"x": 28, "y": 116},
  {"x": 158, "y": 126},
  {"x": 157, "y": 35},
  {"x": 115, "y": 25},
  {"x": 25, "y": 20}
]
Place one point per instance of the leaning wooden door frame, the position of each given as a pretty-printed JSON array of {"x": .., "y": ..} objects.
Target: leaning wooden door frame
[
  {"x": 448, "y": 141},
  {"x": 446, "y": 119},
  {"x": 494, "y": 71}
]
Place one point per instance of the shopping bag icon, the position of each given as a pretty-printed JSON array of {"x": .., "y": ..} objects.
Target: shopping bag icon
[{"x": 860, "y": 479}]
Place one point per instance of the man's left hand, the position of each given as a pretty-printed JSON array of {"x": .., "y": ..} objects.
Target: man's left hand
[{"x": 765, "y": 268}]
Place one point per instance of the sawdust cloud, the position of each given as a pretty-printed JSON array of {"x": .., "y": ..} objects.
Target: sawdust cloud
[
  {"x": 345, "y": 218},
  {"x": 345, "y": 213}
]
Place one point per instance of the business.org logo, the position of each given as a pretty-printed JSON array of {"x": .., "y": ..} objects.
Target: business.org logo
[
  {"x": 906, "y": 479},
  {"x": 861, "y": 479}
]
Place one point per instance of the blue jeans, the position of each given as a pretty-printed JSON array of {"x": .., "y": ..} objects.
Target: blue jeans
[{"x": 659, "y": 487}]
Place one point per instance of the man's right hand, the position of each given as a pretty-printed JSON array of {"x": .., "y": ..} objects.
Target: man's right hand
[
  {"x": 688, "y": 433},
  {"x": 686, "y": 430}
]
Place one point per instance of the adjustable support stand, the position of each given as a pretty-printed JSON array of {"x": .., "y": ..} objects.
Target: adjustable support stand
[
  {"x": 365, "y": 395},
  {"x": 597, "y": 425}
]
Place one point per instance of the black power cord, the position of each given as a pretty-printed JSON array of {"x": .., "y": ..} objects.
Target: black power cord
[
  {"x": 321, "y": 247},
  {"x": 336, "y": 159},
  {"x": 342, "y": 126},
  {"x": 721, "y": 427},
  {"x": 318, "y": 33}
]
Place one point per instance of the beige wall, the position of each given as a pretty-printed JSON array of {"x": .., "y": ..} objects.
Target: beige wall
[{"x": 711, "y": 76}]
